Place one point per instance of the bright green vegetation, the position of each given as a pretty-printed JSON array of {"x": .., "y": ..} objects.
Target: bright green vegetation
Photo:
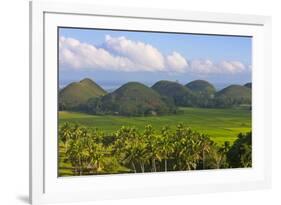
[
  {"x": 132, "y": 99},
  {"x": 201, "y": 87},
  {"x": 233, "y": 95},
  {"x": 240, "y": 153},
  {"x": 204, "y": 93},
  {"x": 166, "y": 127},
  {"x": 85, "y": 151},
  {"x": 235, "y": 91},
  {"x": 78, "y": 93},
  {"x": 179, "y": 94},
  {"x": 137, "y": 99},
  {"x": 221, "y": 124}
]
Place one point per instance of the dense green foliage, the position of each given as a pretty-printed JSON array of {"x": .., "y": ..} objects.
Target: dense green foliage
[
  {"x": 135, "y": 99},
  {"x": 220, "y": 124},
  {"x": 179, "y": 94},
  {"x": 89, "y": 151},
  {"x": 233, "y": 95},
  {"x": 204, "y": 93},
  {"x": 126, "y": 131},
  {"x": 240, "y": 154},
  {"x": 131, "y": 99},
  {"x": 201, "y": 87},
  {"x": 76, "y": 95}
]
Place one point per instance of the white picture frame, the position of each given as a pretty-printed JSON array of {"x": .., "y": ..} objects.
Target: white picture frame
[{"x": 46, "y": 187}]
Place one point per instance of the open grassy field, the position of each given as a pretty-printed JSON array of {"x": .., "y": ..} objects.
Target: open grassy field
[{"x": 220, "y": 124}]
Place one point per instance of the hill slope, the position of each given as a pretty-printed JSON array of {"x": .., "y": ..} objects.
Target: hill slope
[
  {"x": 134, "y": 99},
  {"x": 248, "y": 85},
  {"x": 78, "y": 93},
  {"x": 204, "y": 92},
  {"x": 201, "y": 87},
  {"x": 233, "y": 95},
  {"x": 181, "y": 95}
]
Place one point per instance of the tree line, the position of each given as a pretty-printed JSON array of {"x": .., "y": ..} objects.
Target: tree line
[
  {"x": 128, "y": 150},
  {"x": 96, "y": 107}
]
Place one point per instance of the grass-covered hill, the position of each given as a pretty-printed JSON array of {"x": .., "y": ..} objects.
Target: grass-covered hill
[
  {"x": 233, "y": 95},
  {"x": 201, "y": 87},
  {"x": 78, "y": 93},
  {"x": 248, "y": 85},
  {"x": 204, "y": 92},
  {"x": 135, "y": 99},
  {"x": 181, "y": 95}
]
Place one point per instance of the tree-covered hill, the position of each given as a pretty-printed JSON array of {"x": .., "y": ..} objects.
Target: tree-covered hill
[
  {"x": 204, "y": 92},
  {"x": 181, "y": 95},
  {"x": 134, "y": 98},
  {"x": 248, "y": 85},
  {"x": 233, "y": 95},
  {"x": 78, "y": 93},
  {"x": 201, "y": 87}
]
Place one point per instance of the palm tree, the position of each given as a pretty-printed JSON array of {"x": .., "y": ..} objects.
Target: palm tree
[
  {"x": 142, "y": 156},
  {"x": 240, "y": 153},
  {"x": 130, "y": 152},
  {"x": 206, "y": 144},
  {"x": 187, "y": 150},
  {"x": 165, "y": 146},
  {"x": 224, "y": 150},
  {"x": 65, "y": 134},
  {"x": 129, "y": 148},
  {"x": 96, "y": 156},
  {"x": 215, "y": 158},
  {"x": 190, "y": 152},
  {"x": 152, "y": 146},
  {"x": 246, "y": 158},
  {"x": 136, "y": 150},
  {"x": 76, "y": 155}
]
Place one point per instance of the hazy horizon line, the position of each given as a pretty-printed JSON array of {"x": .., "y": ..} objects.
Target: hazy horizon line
[{"x": 110, "y": 85}]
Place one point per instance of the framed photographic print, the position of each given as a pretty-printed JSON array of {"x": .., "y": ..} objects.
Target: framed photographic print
[{"x": 129, "y": 102}]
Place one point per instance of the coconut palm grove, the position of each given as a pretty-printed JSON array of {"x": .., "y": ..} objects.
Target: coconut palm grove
[{"x": 142, "y": 102}]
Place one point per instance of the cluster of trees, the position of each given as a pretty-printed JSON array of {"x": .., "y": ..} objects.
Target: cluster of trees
[
  {"x": 90, "y": 151},
  {"x": 99, "y": 106},
  {"x": 226, "y": 102},
  {"x": 203, "y": 100}
]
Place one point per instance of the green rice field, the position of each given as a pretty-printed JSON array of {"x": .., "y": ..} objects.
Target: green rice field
[{"x": 220, "y": 124}]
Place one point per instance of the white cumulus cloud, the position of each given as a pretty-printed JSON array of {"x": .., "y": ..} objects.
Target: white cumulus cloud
[
  {"x": 202, "y": 66},
  {"x": 144, "y": 55},
  {"x": 122, "y": 54},
  {"x": 177, "y": 63},
  {"x": 77, "y": 55},
  {"x": 206, "y": 66},
  {"x": 232, "y": 66}
]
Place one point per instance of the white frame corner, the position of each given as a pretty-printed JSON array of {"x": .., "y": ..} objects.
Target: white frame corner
[{"x": 38, "y": 10}]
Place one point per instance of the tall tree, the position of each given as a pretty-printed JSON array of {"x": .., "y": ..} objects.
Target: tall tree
[
  {"x": 65, "y": 133},
  {"x": 240, "y": 153},
  {"x": 165, "y": 146}
]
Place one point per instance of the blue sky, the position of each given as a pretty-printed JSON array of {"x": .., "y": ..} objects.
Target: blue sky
[{"x": 112, "y": 58}]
